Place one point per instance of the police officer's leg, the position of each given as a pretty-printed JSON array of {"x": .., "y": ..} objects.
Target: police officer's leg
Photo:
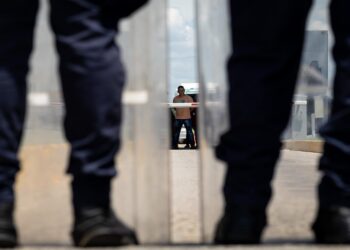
[
  {"x": 267, "y": 43},
  {"x": 17, "y": 19},
  {"x": 92, "y": 78},
  {"x": 333, "y": 221}
]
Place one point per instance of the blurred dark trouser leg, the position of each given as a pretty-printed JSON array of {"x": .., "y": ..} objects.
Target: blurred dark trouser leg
[
  {"x": 178, "y": 126},
  {"x": 332, "y": 224},
  {"x": 92, "y": 78},
  {"x": 267, "y": 44},
  {"x": 335, "y": 162},
  {"x": 17, "y": 20},
  {"x": 189, "y": 132}
]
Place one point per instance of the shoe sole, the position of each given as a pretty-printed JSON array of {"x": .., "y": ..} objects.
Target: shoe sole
[{"x": 104, "y": 238}]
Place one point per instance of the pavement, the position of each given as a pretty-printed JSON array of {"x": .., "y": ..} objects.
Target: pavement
[{"x": 290, "y": 212}]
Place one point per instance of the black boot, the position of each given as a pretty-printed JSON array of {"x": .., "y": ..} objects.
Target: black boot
[
  {"x": 95, "y": 222},
  {"x": 332, "y": 225},
  {"x": 247, "y": 192},
  {"x": 240, "y": 226},
  {"x": 8, "y": 233},
  {"x": 99, "y": 227}
]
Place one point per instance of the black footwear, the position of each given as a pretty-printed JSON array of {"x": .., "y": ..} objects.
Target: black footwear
[
  {"x": 240, "y": 227},
  {"x": 332, "y": 225},
  {"x": 8, "y": 233},
  {"x": 98, "y": 227}
]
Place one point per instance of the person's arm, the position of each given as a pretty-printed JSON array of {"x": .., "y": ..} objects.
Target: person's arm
[
  {"x": 190, "y": 100},
  {"x": 173, "y": 110}
]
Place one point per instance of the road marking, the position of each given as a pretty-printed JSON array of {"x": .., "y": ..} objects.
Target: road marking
[
  {"x": 135, "y": 97},
  {"x": 39, "y": 99},
  {"x": 183, "y": 105}
]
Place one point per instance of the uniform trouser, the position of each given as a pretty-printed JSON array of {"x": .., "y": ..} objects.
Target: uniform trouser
[
  {"x": 92, "y": 78},
  {"x": 267, "y": 44}
]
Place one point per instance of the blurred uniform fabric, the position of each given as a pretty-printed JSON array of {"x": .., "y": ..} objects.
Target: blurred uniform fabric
[
  {"x": 92, "y": 77},
  {"x": 267, "y": 42},
  {"x": 125, "y": 8}
]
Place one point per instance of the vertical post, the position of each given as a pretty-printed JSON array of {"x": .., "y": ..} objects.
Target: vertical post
[
  {"x": 213, "y": 50},
  {"x": 144, "y": 157}
]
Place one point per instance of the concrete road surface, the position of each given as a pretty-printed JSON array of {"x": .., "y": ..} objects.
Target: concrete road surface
[{"x": 43, "y": 216}]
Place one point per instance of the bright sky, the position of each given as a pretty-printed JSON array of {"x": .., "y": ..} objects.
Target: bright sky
[
  {"x": 182, "y": 44},
  {"x": 319, "y": 16},
  {"x": 181, "y": 21}
]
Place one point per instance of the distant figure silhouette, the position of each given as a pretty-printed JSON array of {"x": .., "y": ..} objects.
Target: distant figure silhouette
[{"x": 183, "y": 117}]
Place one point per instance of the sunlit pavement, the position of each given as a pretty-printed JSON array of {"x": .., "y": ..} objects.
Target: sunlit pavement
[{"x": 291, "y": 211}]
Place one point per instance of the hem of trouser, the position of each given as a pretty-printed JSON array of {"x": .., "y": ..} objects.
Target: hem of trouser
[{"x": 91, "y": 191}]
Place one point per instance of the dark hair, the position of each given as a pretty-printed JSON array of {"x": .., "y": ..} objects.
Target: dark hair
[{"x": 180, "y": 87}]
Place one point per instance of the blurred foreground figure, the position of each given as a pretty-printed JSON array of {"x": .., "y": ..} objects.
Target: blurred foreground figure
[
  {"x": 92, "y": 79},
  {"x": 267, "y": 45}
]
